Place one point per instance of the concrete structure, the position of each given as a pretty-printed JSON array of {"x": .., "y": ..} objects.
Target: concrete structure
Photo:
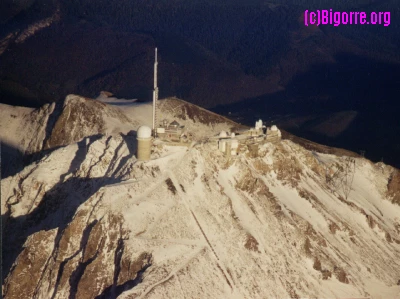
[
  {"x": 172, "y": 132},
  {"x": 273, "y": 134},
  {"x": 223, "y": 134},
  {"x": 247, "y": 140},
  {"x": 233, "y": 145},
  {"x": 222, "y": 145},
  {"x": 259, "y": 125},
  {"x": 261, "y": 133},
  {"x": 259, "y": 129},
  {"x": 228, "y": 145},
  {"x": 144, "y": 143}
]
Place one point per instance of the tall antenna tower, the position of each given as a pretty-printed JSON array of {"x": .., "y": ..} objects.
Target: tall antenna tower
[{"x": 155, "y": 95}]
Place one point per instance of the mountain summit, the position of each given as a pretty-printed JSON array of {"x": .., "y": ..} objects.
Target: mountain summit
[{"x": 85, "y": 219}]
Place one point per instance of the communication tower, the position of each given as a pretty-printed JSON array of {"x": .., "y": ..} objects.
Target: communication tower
[{"x": 155, "y": 96}]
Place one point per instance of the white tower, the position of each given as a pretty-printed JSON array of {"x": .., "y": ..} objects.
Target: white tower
[
  {"x": 144, "y": 143},
  {"x": 155, "y": 95}
]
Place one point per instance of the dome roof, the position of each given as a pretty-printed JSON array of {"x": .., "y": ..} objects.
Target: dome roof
[
  {"x": 223, "y": 134},
  {"x": 144, "y": 132},
  {"x": 174, "y": 124},
  {"x": 274, "y": 128}
]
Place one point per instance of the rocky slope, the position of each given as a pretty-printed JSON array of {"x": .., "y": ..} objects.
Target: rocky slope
[
  {"x": 22, "y": 132},
  {"x": 90, "y": 221},
  {"x": 25, "y": 132},
  {"x": 32, "y": 130}
]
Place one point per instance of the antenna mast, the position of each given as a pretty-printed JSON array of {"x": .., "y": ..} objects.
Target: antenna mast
[{"x": 155, "y": 95}]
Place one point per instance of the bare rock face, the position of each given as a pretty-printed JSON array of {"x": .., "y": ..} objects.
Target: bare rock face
[
  {"x": 393, "y": 187},
  {"x": 22, "y": 134},
  {"x": 26, "y": 132},
  {"x": 28, "y": 272},
  {"x": 38, "y": 131},
  {"x": 93, "y": 222},
  {"x": 25, "y": 128},
  {"x": 87, "y": 259},
  {"x": 183, "y": 110},
  {"x": 81, "y": 117}
]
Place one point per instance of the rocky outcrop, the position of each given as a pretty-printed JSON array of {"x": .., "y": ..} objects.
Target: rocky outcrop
[
  {"x": 28, "y": 132},
  {"x": 186, "y": 111},
  {"x": 393, "y": 187},
  {"x": 82, "y": 117}
]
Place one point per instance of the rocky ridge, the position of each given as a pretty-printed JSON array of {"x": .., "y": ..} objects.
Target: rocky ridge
[{"x": 88, "y": 220}]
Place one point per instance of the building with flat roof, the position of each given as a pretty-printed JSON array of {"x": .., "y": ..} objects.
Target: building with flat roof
[{"x": 172, "y": 132}]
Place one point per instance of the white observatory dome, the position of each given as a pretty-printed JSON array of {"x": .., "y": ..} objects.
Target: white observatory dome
[
  {"x": 274, "y": 128},
  {"x": 144, "y": 132},
  {"x": 223, "y": 134}
]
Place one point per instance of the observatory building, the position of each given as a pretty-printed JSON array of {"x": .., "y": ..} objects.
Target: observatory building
[
  {"x": 247, "y": 140},
  {"x": 228, "y": 144},
  {"x": 171, "y": 132},
  {"x": 144, "y": 143},
  {"x": 274, "y": 135}
]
